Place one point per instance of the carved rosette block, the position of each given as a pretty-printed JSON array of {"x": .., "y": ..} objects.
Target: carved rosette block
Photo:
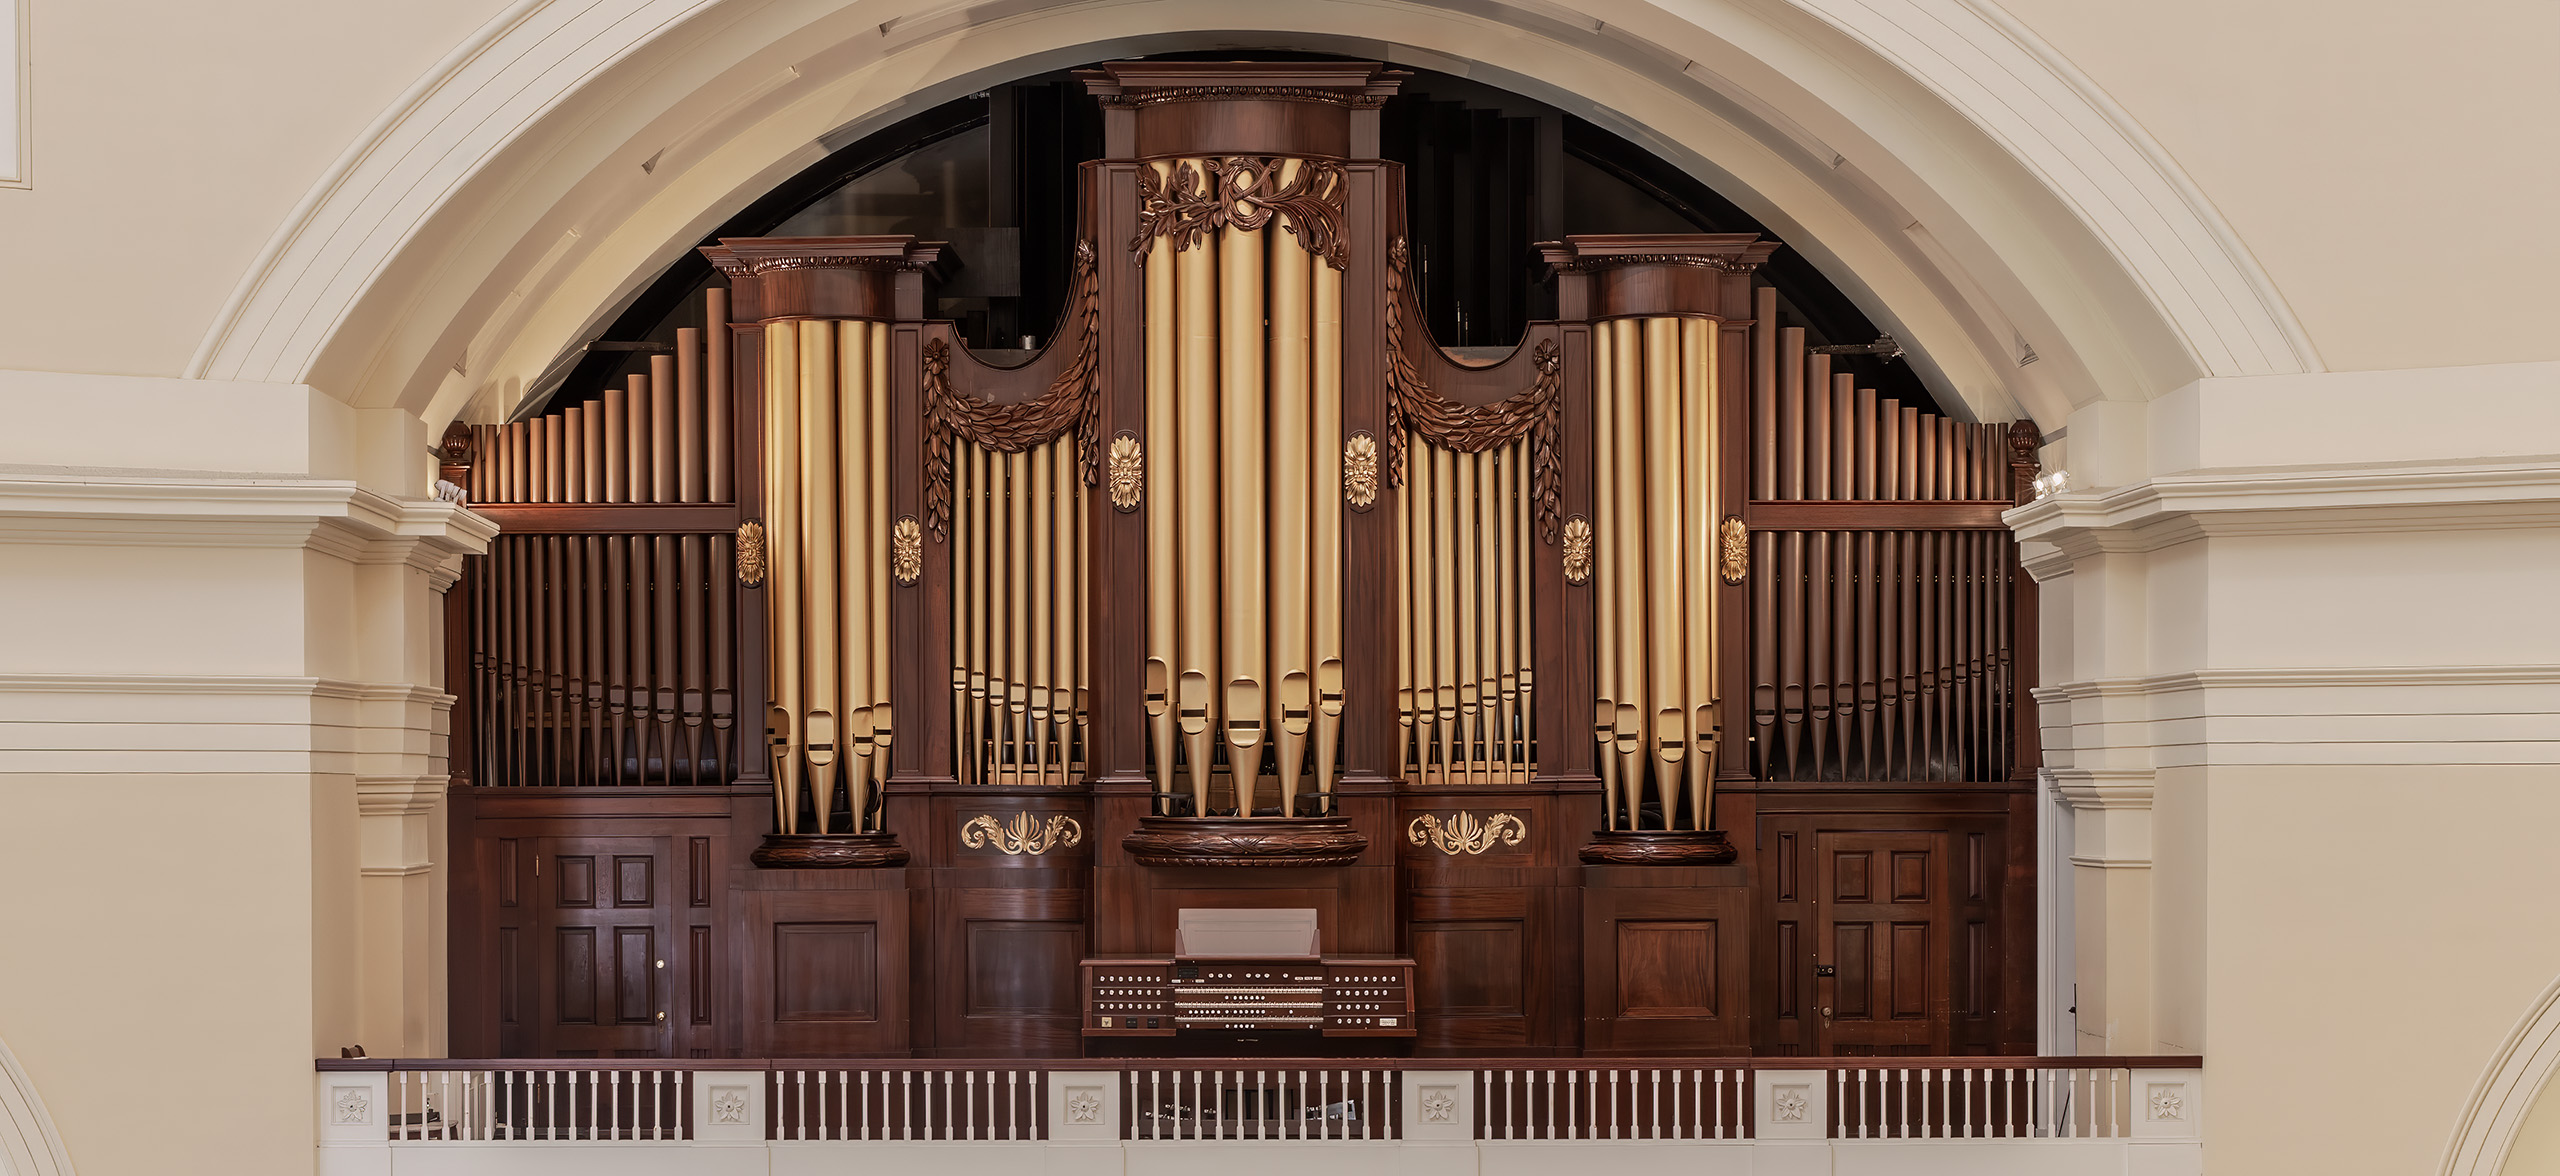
[
  {"x": 1733, "y": 539},
  {"x": 1657, "y": 847},
  {"x": 751, "y": 553},
  {"x": 906, "y": 549},
  {"x": 1211, "y": 841},
  {"x": 1577, "y": 551},
  {"x": 829, "y": 851}
]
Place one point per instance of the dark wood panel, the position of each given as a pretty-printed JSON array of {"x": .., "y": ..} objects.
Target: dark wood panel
[
  {"x": 826, "y": 971},
  {"x": 1665, "y": 961}
]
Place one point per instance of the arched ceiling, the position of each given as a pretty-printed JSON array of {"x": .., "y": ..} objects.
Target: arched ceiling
[{"x": 1976, "y": 197}]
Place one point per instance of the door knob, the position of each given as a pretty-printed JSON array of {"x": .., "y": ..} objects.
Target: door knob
[
  {"x": 663, "y": 1016},
  {"x": 1818, "y": 970},
  {"x": 1826, "y": 1013}
]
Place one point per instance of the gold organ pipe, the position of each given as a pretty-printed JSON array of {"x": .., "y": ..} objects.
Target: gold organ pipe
[
  {"x": 1605, "y": 460},
  {"x": 782, "y": 523},
  {"x": 1240, "y": 541},
  {"x": 1524, "y": 655},
  {"x": 1062, "y": 604},
  {"x": 1326, "y": 384},
  {"x": 1628, "y": 561},
  {"x": 999, "y": 662},
  {"x": 968, "y": 681},
  {"x": 1292, "y": 471},
  {"x": 1444, "y": 636},
  {"x": 1666, "y": 642},
  {"x": 1469, "y": 618},
  {"x": 821, "y": 607},
  {"x": 1404, "y": 613},
  {"x": 1160, "y": 449},
  {"x": 1507, "y": 600},
  {"x": 1699, "y": 339},
  {"x": 982, "y": 688},
  {"x": 853, "y": 541},
  {"x": 876, "y": 397},
  {"x": 1197, "y": 686},
  {"x": 1034, "y": 543},
  {"x": 1016, "y": 585}
]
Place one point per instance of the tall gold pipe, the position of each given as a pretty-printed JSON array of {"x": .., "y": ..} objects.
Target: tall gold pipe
[
  {"x": 782, "y": 492},
  {"x": 1408, "y": 622},
  {"x": 1525, "y": 658},
  {"x": 965, "y": 589},
  {"x": 1666, "y": 637},
  {"x": 984, "y": 693},
  {"x": 1444, "y": 542},
  {"x": 823, "y": 605},
  {"x": 1039, "y": 589},
  {"x": 1605, "y": 460},
  {"x": 1017, "y": 590},
  {"x": 1470, "y": 618},
  {"x": 1064, "y": 622},
  {"x": 1628, "y": 563},
  {"x": 1326, "y": 386},
  {"x": 1197, "y": 686},
  {"x": 1164, "y": 558},
  {"x": 853, "y": 542},
  {"x": 999, "y": 661},
  {"x": 1506, "y": 612},
  {"x": 1698, "y": 339},
  {"x": 883, "y": 725},
  {"x": 1240, "y": 541},
  {"x": 1292, "y": 472}
]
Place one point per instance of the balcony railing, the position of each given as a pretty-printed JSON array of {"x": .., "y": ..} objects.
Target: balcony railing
[{"x": 2009, "y": 1114}]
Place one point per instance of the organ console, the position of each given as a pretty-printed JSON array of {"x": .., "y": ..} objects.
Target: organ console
[
  {"x": 1247, "y": 971},
  {"x": 1243, "y": 595}
]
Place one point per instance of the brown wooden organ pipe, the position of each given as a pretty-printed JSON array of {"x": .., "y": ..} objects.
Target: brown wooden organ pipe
[
  {"x": 662, "y": 428},
  {"x": 1160, "y": 447},
  {"x": 1845, "y": 682},
  {"x": 591, "y": 593},
  {"x": 690, "y": 475},
  {"x": 512, "y": 445},
  {"x": 723, "y": 673},
  {"x": 573, "y": 451},
  {"x": 613, "y": 421},
  {"x": 571, "y": 590},
  {"x": 1287, "y": 338},
  {"x": 640, "y": 404},
  {"x": 719, "y": 465},
  {"x": 1326, "y": 385},
  {"x": 1199, "y": 682}
]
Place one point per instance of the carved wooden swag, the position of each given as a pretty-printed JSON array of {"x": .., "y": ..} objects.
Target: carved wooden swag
[
  {"x": 1474, "y": 428},
  {"x": 1070, "y": 403},
  {"x": 1243, "y": 191}
]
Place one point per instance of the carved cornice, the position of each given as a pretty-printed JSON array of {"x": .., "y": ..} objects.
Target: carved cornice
[
  {"x": 1070, "y": 403},
  {"x": 1537, "y": 413},
  {"x": 1244, "y": 192}
]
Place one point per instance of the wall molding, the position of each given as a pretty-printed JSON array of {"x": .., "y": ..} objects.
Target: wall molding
[
  {"x": 498, "y": 87},
  {"x": 2515, "y": 1077},
  {"x": 29, "y": 1144},
  {"x": 2171, "y": 509},
  {"x": 17, "y": 96},
  {"x": 339, "y": 517}
]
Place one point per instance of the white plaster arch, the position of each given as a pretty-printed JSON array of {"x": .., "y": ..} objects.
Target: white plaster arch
[
  {"x": 1934, "y": 158},
  {"x": 2523, "y": 1065},
  {"x": 29, "y": 1146}
]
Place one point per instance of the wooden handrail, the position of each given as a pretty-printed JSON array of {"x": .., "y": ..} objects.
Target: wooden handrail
[{"x": 1994, "y": 1062}]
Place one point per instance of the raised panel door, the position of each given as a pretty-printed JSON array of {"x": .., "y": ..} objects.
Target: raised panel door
[
  {"x": 1882, "y": 953},
  {"x": 601, "y": 947}
]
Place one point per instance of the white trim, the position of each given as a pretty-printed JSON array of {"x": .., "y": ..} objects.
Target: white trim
[
  {"x": 17, "y": 96},
  {"x": 497, "y": 87},
  {"x": 2514, "y": 1080},
  {"x": 29, "y": 1144}
]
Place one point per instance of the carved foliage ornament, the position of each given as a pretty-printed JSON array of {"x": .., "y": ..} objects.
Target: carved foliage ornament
[
  {"x": 1024, "y": 834},
  {"x": 1577, "y": 550},
  {"x": 1128, "y": 465},
  {"x": 1360, "y": 470},
  {"x": 906, "y": 549},
  {"x": 751, "y": 553},
  {"x": 1244, "y": 192},
  {"x": 1469, "y": 428},
  {"x": 1070, "y": 403},
  {"x": 1733, "y": 540},
  {"x": 1465, "y": 832}
]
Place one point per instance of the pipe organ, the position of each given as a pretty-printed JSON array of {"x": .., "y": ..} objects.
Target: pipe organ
[{"x": 1242, "y": 593}]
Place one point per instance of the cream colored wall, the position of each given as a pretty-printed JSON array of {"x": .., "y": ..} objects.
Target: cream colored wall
[{"x": 2390, "y": 164}]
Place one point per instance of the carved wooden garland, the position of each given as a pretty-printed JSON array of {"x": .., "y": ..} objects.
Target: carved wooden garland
[
  {"x": 1069, "y": 403},
  {"x": 1244, "y": 191},
  {"x": 1474, "y": 428}
]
